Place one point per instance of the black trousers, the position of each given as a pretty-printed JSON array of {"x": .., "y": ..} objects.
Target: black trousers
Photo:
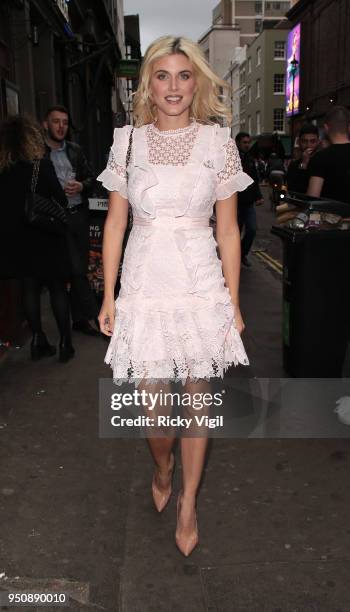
[
  {"x": 247, "y": 220},
  {"x": 83, "y": 301},
  {"x": 32, "y": 289}
]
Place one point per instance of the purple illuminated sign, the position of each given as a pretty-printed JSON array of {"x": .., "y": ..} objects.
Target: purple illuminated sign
[{"x": 293, "y": 72}]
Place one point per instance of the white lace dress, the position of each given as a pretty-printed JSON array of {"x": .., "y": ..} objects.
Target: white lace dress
[{"x": 174, "y": 316}]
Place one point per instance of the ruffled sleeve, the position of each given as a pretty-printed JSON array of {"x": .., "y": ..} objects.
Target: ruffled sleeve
[
  {"x": 113, "y": 177},
  {"x": 231, "y": 177}
]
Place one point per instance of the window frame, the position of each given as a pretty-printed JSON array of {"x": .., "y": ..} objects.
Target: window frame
[
  {"x": 282, "y": 91},
  {"x": 279, "y": 57},
  {"x": 258, "y": 89},
  {"x": 249, "y": 123},
  {"x": 282, "y": 131},
  {"x": 249, "y": 94},
  {"x": 258, "y": 122},
  {"x": 258, "y": 56}
]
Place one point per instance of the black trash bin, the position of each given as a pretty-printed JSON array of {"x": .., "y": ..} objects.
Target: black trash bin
[{"x": 316, "y": 300}]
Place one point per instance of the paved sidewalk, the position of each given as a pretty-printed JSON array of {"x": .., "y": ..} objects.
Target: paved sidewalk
[{"x": 76, "y": 510}]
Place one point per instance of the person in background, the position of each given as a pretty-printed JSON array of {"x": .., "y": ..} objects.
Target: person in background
[
  {"x": 298, "y": 174},
  {"x": 77, "y": 180},
  {"x": 275, "y": 163},
  {"x": 249, "y": 198},
  {"x": 36, "y": 257},
  {"x": 261, "y": 167},
  {"x": 330, "y": 168}
]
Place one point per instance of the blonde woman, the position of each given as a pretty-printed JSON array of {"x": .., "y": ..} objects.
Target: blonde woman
[{"x": 177, "y": 316}]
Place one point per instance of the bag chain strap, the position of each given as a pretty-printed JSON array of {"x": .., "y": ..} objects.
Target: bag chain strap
[
  {"x": 128, "y": 153},
  {"x": 35, "y": 174}
]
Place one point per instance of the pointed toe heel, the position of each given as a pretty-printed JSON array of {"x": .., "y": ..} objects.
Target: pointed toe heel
[
  {"x": 185, "y": 543},
  {"x": 161, "y": 498}
]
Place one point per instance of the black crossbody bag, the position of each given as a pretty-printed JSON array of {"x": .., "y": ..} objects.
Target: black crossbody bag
[{"x": 43, "y": 212}]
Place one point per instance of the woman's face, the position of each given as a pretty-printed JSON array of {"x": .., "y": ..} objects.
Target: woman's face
[{"x": 173, "y": 85}]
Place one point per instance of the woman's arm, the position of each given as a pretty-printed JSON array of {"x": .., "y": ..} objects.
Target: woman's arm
[
  {"x": 113, "y": 235},
  {"x": 229, "y": 243}
]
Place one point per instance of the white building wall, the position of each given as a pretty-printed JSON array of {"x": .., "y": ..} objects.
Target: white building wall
[
  {"x": 222, "y": 42},
  {"x": 217, "y": 46},
  {"x": 233, "y": 79}
]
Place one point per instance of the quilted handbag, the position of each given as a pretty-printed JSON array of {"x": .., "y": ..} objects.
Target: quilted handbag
[{"x": 42, "y": 212}]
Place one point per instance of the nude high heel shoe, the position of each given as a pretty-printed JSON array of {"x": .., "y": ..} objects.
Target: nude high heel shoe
[
  {"x": 161, "y": 498},
  {"x": 186, "y": 544}
]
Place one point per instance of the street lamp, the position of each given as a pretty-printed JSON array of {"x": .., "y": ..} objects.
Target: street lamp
[{"x": 293, "y": 70}]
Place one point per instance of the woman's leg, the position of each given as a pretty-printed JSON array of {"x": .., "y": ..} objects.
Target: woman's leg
[
  {"x": 160, "y": 439},
  {"x": 39, "y": 346},
  {"x": 60, "y": 305},
  {"x": 193, "y": 452},
  {"x": 31, "y": 302}
]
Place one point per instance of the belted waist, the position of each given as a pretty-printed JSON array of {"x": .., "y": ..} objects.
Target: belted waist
[{"x": 173, "y": 222}]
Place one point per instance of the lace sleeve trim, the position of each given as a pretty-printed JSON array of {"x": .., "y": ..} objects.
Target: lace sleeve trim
[
  {"x": 114, "y": 167},
  {"x": 233, "y": 163}
]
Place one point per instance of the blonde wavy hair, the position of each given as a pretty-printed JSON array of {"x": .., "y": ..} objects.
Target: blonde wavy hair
[
  {"x": 207, "y": 105},
  {"x": 21, "y": 139}
]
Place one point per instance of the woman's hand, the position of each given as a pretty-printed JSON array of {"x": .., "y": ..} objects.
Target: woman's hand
[
  {"x": 238, "y": 320},
  {"x": 107, "y": 316}
]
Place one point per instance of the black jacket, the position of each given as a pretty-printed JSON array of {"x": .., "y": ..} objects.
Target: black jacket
[
  {"x": 25, "y": 250},
  {"x": 81, "y": 167},
  {"x": 252, "y": 193}
]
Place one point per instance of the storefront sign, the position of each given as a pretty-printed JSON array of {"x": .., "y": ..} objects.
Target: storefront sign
[
  {"x": 293, "y": 72},
  {"x": 128, "y": 69},
  {"x": 98, "y": 204}
]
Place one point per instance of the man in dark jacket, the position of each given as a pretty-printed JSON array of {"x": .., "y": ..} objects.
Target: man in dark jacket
[
  {"x": 298, "y": 174},
  {"x": 77, "y": 180},
  {"x": 248, "y": 198}
]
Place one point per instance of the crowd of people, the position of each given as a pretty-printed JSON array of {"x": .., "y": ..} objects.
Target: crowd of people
[
  {"x": 40, "y": 159},
  {"x": 320, "y": 168}
]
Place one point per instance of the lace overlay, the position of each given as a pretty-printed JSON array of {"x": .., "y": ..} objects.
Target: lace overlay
[
  {"x": 194, "y": 350},
  {"x": 233, "y": 163},
  {"x": 174, "y": 315},
  {"x": 114, "y": 167},
  {"x": 172, "y": 148}
]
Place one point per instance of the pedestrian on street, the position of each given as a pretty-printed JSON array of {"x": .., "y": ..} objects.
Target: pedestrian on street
[
  {"x": 36, "y": 257},
  {"x": 248, "y": 199},
  {"x": 298, "y": 174},
  {"x": 261, "y": 168},
  {"x": 77, "y": 180},
  {"x": 174, "y": 319},
  {"x": 330, "y": 168}
]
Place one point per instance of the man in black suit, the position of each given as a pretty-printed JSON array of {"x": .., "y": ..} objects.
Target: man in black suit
[{"x": 77, "y": 180}]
